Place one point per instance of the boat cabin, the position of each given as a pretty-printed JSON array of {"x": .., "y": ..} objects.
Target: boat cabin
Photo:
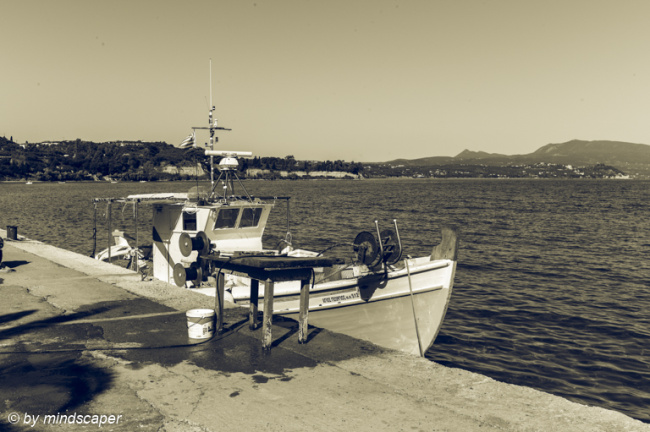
[{"x": 233, "y": 226}]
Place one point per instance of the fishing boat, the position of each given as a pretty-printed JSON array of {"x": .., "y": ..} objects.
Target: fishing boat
[{"x": 378, "y": 295}]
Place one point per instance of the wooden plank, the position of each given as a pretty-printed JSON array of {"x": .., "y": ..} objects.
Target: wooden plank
[
  {"x": 288, "y": 262},
  {"x": 267, "y": 336},
  {"x": 219, "y": 301},
  {"x": 254, "y": 301},
  {"x": 277, "y": 274},
  {"x": 303, "y": 323},
  {"x": 274, "y": 262}
]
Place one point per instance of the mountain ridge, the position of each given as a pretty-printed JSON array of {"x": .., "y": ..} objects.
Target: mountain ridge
[{"x": 632, "y": 158}]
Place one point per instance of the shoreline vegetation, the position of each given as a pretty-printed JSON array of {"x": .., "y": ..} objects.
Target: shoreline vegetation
[{"x": 158, "y": 161}]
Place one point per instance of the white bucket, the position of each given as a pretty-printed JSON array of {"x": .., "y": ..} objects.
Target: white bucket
[{"x": 200, "y": 323}]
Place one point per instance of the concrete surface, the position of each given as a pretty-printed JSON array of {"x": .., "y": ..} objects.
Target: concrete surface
[{"x": 88, "y": 343}]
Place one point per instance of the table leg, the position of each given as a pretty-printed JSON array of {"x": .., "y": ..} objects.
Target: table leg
[
  {"x": 254, "y": 301},
  {"x": 219, "y": 295},
  {"x": 303, "y": 324},
  {"x": 268, "y": 314}
]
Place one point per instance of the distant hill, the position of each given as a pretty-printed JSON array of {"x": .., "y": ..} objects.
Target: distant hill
[
  {"x": 137, "y": 161},
  {"x": 628, "y": 157},
  {"x": 592, "y": 152}
]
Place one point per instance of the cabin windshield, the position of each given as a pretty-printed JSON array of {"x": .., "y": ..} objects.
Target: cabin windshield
[
  {"x": 250, "y": 217},
  {"x": 227, "y": 218}
]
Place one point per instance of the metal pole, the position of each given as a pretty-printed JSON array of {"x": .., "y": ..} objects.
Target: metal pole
[
  {"x": 211, "y": 131},
  {"x": 94, "y": 229},
  {"x": 399, "y": 240},
  {"x": 381, "y": 243},
  {"x": 110, "y": 223},
  {"x": 415, "y": 319},
  {"x": 288, "y": 217},
  {"x": 211, "y": 168},
  {"x": 137, "y": 258}
]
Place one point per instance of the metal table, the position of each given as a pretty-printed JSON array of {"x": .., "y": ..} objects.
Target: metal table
[{"x": 269, "y": 269}]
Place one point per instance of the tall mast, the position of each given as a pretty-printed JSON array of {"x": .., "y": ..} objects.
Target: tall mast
[
  {"x": 211, "y": 91},
  {"x": 212, "y": 127},
  {"x": 211, "y": 131}
]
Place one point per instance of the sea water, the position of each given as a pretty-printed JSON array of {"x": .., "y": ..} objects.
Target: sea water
[{"x": 552, "y": 289}]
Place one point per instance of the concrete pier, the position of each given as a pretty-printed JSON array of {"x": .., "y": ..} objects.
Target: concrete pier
[{"x": 85, "y": 344}]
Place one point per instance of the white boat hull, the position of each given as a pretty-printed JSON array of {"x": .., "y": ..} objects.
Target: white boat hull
[
  {"x": 389, "y": 323},
  {"x": 377, "y": 307}
]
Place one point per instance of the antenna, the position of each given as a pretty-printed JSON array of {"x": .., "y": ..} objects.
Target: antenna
[
  {"x": 231, "y": 162},
  {"x": 210, "y": 83},
  {"x": 211, "y": 130}
]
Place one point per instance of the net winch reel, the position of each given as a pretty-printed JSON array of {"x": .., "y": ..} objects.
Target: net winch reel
[
  {"x": 195, "y": 272},
  {"x": 371, "y": 252},
  {"x": 200, "y": 243}
]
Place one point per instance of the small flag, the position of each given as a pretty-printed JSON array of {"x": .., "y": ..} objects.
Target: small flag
[{"x": 189, "y": 141}]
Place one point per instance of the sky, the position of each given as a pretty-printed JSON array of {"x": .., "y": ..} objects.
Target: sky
[{"x": 356, "y": 80}]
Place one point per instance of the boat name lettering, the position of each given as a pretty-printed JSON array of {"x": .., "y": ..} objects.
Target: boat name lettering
[{"x": 343, "y": 297}]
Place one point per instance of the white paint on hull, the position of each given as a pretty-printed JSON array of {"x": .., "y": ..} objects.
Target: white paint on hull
[
  {"x": 378, "y": 309},
  {"x": 388, "y": 323}
]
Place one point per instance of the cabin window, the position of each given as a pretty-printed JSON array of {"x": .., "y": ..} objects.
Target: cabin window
[
  {"x": 250, "y": 217},
  {"x": 226, "y": 218},
  {"x": 189, "y": 221}
]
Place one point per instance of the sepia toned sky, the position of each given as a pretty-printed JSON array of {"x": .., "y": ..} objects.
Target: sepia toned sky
[{"x": 355, "y": 80}]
